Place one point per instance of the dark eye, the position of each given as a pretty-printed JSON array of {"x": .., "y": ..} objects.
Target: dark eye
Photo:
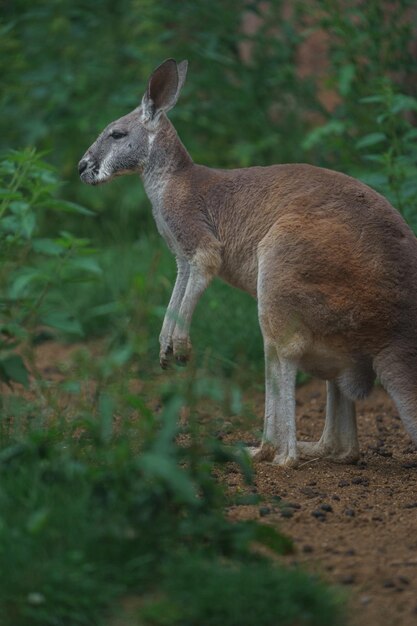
[{"x": 117, "y": 134}]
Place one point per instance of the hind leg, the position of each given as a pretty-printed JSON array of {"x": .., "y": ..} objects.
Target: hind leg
[
  {"x": 279, "y": 442},
  {"x": 266, "y": 451},
  {"x": 339, "y": 440}
]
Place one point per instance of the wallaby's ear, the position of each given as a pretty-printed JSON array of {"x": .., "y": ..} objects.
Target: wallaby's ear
[
  {"x": 163, "y": 88},
  {"x": 182, "y": 74}
]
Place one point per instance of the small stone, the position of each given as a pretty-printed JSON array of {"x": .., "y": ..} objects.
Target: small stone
[
  {"x": 360, "y": 480},
  {"x": 388, "y": 584},
  {"x": 327, "y": 508},
  {"x": 287, "y": 513},
  {"x": 307, "y": 549},
  {"x": 350, "y": 552},
  {"x": 320, "y": 515},
  {"x": 264, "y": 510},
  {"x": 365, "y": 600},
  {"x": 404, "y": 580},
  {"x": 377, "y": 518},
  {"x": 409, "y": 465},
  {"x": 350, "y": 512},
  {"x": 343, "y": 483},
  {"x": 336, "y": 498}
]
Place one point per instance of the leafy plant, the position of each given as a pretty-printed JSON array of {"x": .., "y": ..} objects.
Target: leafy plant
[
  {"x": 392, "y": 150},
  {"x": 33, "y": 267}
]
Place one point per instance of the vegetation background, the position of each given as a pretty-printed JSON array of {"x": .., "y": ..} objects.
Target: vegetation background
[{"x": 327, "y": 82}]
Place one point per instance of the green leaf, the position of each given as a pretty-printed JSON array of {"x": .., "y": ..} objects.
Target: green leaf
[
  {"x": 316, "y": 136},
  {"x": 345, "y": 79},
  {"x": 37, "y": 521},
  {"x": 373, "y": 99},
  {"x": 401, "y": 102},
  {"x": 13, "y": 369},
  {"x": 87, "y": 264},
  {"x": 67, "y": 207},
  {"x": 63, "y": 321},
  {"x": 19, "y": 285},
  {"x": 106, "y": 409},
  {"x": 158, "y": 467},
  {"x": 269, "y": 537},
  {"x": 47, "y": 246},
  {"x": 370, "y": 140}
]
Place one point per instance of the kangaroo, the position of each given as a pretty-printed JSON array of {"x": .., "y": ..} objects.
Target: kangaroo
[{"x": 332, "y": 265}]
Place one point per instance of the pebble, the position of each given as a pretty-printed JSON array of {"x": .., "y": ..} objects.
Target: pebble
[
  {"x": 350, "y": 512},
  {"x": 320, "y": 515},
  {"x": 360, "y": 480},
  {"x": 264, "y": 510},
  {"x": 327, "y": 508},
  {"x": 287, "y": 513},
  {"x": 343, "y": 483}
]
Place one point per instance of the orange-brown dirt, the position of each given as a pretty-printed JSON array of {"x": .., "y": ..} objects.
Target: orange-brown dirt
[{"x": 355, "y": 525}]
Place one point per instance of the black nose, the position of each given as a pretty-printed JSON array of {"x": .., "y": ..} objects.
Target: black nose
[{"x": 82, "y": 166}]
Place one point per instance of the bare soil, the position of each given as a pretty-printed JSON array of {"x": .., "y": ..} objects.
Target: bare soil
[{"x": 355, "y": 525}]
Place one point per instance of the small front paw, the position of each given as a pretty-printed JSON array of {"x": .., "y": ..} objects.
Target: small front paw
[
  {"x": 165, "y": 355},
  {"x": 182, "y": 350}
]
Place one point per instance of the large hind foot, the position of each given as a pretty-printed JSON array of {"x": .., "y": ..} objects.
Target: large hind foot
[
  {"x": 339, "y": 441},
  {"x": 312, "y": 450}
]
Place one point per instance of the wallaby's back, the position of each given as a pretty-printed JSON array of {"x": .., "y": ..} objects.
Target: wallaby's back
[{"x": 342, "y": 256}]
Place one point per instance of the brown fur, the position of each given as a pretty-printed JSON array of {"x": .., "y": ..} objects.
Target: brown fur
[{"x": 332, "y": 264}]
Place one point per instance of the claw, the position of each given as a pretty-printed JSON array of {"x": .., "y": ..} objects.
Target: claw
[{"x": 165, "y": 357}]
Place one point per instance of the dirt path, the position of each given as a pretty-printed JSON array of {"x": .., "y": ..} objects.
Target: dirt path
[{"x": 356, "y": 525}]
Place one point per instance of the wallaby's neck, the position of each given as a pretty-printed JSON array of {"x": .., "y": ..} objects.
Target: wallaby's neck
[{"x": 167, "y": 155}]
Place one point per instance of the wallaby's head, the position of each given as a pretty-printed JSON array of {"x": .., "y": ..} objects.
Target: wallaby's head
[{"x": 125, "y": 145}]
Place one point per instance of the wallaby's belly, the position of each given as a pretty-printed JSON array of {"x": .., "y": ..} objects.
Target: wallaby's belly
[{"x": 240, "y": 272}]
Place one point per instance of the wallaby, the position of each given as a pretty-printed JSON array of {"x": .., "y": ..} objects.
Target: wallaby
[{"x": 332, "y": 264}]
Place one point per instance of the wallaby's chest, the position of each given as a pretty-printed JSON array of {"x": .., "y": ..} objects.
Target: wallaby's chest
[
  {"x": 155, "y": 189},
  {"x": 166, "y": 232}
]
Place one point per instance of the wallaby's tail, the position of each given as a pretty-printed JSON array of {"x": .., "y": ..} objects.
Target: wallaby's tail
[{"x": 396, "y": 367}]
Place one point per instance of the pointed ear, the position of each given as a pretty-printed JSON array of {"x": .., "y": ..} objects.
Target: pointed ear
[{"x": 163, "y": 89}]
